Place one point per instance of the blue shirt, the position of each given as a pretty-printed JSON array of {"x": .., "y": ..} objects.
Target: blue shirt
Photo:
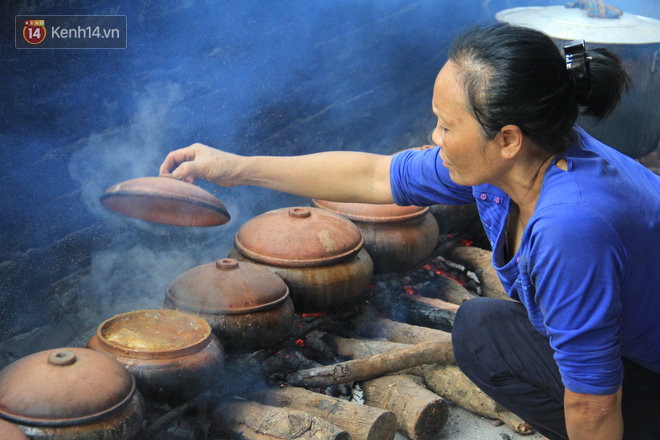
[{"x": 588, "y": 266}]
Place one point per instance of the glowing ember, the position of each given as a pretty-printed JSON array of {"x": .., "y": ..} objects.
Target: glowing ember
[
  {"x": 300, "y": 343},
  {"x": 314, "y": 315},
  {"x": 409, "y": 290}
]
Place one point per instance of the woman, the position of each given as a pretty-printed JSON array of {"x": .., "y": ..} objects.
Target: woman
[{"x": 574, "y": 225}]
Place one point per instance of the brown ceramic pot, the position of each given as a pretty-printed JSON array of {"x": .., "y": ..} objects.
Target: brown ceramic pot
[
  {"x": 317, "y": 253},
  {"x": 247, "y": 306},
  {"x": 71, "y": 393},
  {"x": 172, "y": 355},
  {"x": 396, "y": 237}
]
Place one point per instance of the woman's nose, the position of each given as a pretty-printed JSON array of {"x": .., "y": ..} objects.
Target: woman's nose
[{"x": 435, "y": 137}]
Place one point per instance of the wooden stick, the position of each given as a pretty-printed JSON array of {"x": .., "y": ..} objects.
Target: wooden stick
[
  {"x": 256, "y": 421},
  {"x": 479, "y": 261},
  {"x": 371, "y": 324},
  {"x": 402, "y": 307},
  {"x": 362, "y": 422},
  {"x": 450, "y": 382},
  {"x": 450, "y": 290},
  {"x": 360, "y": 348},
  {"x": 435, "y": 302},
  {"x": 427, "y": 352},
  {"x": 420, "y": 413}
]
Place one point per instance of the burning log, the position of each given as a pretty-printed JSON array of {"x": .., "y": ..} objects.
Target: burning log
[
  {"x": 450, "y": 290},
  {"x": 435, "y": 302},
  {"x": 479, "y": 261},
  {"x": 413, "y": 312},
  {"x": 420, "y": 413},
  {"x": 362, "y": 422},
  {"x": 427, "y": 352},
  {"x": 449, "y": 382},
  {"x": 255, "y": 421},
  {"x": 370, "y": 324}
]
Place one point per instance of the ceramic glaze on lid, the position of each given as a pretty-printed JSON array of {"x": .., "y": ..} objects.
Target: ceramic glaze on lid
[{"x": 574, "y": 24}]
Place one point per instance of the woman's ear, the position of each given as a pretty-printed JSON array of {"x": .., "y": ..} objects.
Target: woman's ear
[{"x": 510, "y": 139}]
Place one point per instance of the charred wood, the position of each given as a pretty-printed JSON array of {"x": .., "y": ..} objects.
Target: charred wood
[
  {"x": 420, "y": 413},
  {"x": 435, "y": 302},
  {"x": 371, "y": 324},
  {"x": 448, "y": 290},
  {"x": 479, "y": 261},
  {"x": 427, "y": 352},
  {"x": 252, "y": 420},
  {"x": 449, "y": 382},
  {"x": 362, "y": 422},
  {"x": 401, "y": 307},
  {"x": 360, "y": 348}
]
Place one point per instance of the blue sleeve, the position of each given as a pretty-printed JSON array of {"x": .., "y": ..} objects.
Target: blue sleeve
[
  {"x": 577, "y": 266},
  {"x": 417, "y": 177}
]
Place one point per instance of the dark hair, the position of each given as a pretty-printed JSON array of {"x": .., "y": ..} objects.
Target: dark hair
[{"x": 517, "y": 75}]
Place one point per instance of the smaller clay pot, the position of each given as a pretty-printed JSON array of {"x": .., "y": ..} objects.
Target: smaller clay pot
[
  {"x": 319, "y": 255},
  {"x": 71, "y": 393},
  {"x": 172, "y": 355},
  {"x": 247, "y": 306},
  {"x": 396, "y": 237}
]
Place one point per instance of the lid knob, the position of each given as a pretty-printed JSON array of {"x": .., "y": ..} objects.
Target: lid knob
[
  {"x": 226, "y": 264},
  {"x": 299, "y": 212},
  {"x": 62, "y": 357}
]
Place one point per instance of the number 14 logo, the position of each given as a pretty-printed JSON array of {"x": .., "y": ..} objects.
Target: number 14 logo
[{"x": 34, "y": 31}]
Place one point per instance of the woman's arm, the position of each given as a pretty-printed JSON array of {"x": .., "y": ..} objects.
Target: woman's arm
[
  {"x": 593, "y": 417},
  {"x": 338, "y": 176}
]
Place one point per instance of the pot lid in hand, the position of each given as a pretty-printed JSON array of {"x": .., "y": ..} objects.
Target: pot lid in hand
[
  {"x": 574, "y": 24},
  {"x": 63, "y": 387},
  {"x": 298, "y": 237},
  {"x": 372, "y": 213},
  {"x": 227, "y": 287},
  {"x": 165, "y": 200}
]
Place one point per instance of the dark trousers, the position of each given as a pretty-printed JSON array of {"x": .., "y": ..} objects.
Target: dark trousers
[{"x": 503, "y": 354}]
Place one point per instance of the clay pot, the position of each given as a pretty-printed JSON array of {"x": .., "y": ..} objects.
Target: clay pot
[
  {"x": 317, "y": 253},
  {"x": 247, "y": 306},
  {"x": 396, "y": 237},
  {"x": 172, "y": 355},
  {"x": 71, "y": 393}
]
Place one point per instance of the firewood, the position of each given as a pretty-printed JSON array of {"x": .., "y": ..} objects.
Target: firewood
[
  {"x": 450, "y": 290},
  {"x": 420, "y": 413},
  {"x": 427, "y": 352},
  {"x": 479, "y": 261},
  {"x": 355, "y": 348},
  {"x": 362, "y": 422},
  {"x": 370, "y": 324},
  {"x": 253, "y": 420},
  {"x": 401, "y": 307},
  {"x": 449, "y": 382},
  {"x": 435, "y": 302}
]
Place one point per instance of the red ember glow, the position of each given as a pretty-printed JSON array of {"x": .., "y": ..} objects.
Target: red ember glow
[{"x": 300, "y": 343}]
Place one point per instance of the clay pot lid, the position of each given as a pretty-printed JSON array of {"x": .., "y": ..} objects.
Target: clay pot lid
[
  {"x": 574, "y": 24},
  {"x": 9, "y": 431},
  {"x": 298, "y": 237},
  {"x": 63, "y": 387},
  {"x": 227, "y": 287},
  {"x": 154, "y": 334},
  {"x": 165, "y": 200},
  {"x": 369, "y": 213}
]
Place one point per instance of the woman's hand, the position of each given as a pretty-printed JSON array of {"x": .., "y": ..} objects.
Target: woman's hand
[{"x": 201, "y": 161}]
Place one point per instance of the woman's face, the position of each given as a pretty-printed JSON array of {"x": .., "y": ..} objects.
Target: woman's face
[{"x": 470, "y": 159}]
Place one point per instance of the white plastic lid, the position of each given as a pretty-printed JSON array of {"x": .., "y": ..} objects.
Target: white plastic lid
[{"x": 574, "y": 24}]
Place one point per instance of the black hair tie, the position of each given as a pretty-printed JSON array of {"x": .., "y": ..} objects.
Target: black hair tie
[{"x": 577, "y": 66}]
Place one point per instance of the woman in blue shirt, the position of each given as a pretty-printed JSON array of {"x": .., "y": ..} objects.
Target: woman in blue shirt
[{"x": 574, "y": 226}]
